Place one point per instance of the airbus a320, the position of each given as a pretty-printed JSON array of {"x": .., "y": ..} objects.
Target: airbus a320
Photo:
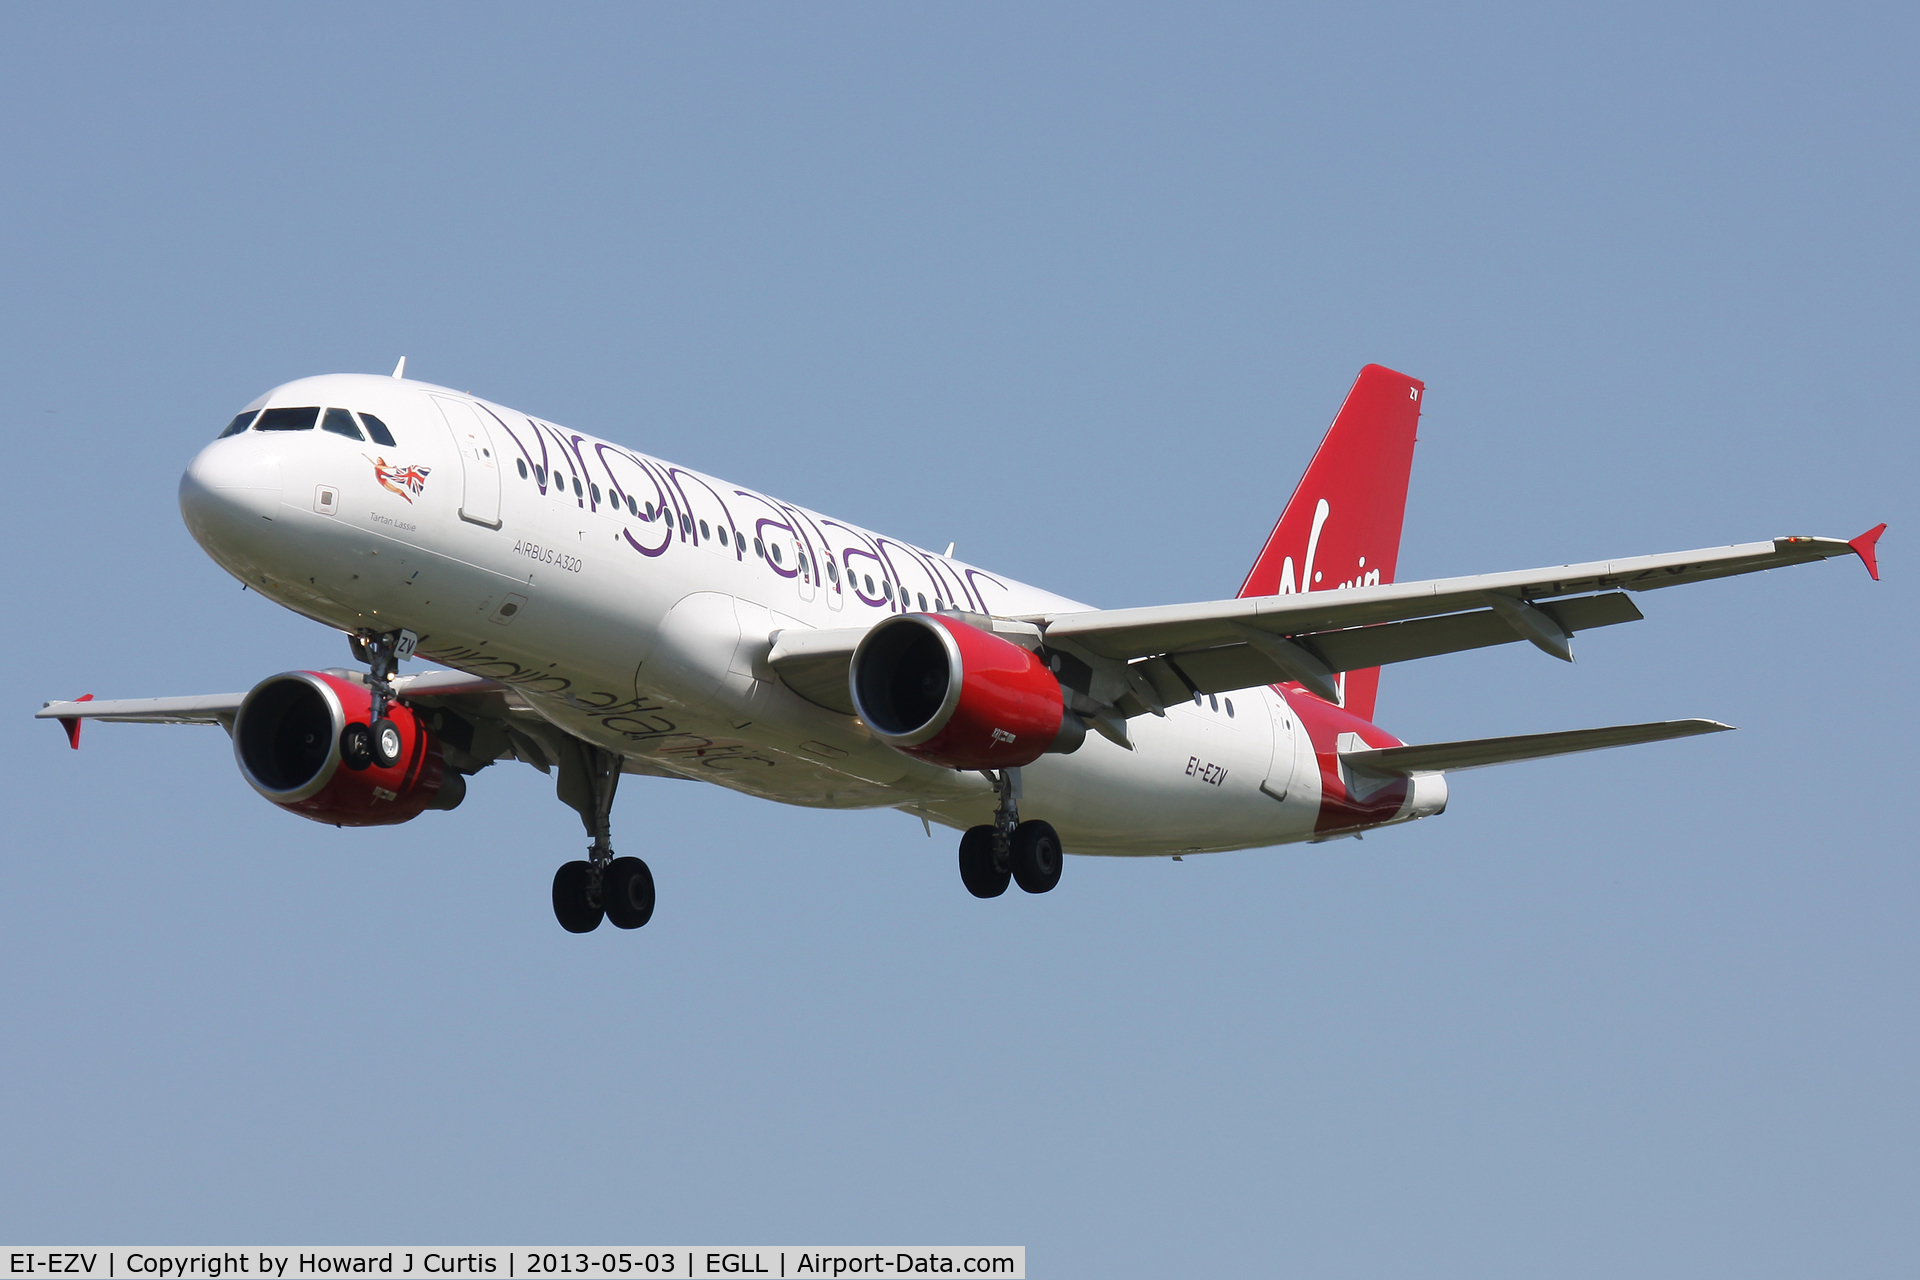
[{"x": 595, "y": 612}]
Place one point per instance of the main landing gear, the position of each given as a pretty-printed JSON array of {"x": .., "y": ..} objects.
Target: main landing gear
[
  {"x": 600, "y": 886},
  {"x": 1027, "y": 853}
]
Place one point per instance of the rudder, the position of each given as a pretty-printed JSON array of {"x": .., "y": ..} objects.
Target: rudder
[{"x": 1341, "y": 528}]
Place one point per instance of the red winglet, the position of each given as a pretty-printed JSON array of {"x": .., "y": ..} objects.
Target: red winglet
[
  {"x": 1863, "y": 547},
  {"x": 72, "y": 723}
]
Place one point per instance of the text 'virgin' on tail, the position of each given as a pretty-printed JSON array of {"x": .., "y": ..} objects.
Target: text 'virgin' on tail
[{"x": 1341, "y": 528}]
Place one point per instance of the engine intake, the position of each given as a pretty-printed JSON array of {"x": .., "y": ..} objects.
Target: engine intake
[
  {"x": 942, "y": 691},
  {"x": 286, "y": 739}
]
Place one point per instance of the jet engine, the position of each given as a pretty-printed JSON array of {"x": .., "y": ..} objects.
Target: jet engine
[
  {"x": 303, "y": 740},
  {"x": 943, "y": 691}
]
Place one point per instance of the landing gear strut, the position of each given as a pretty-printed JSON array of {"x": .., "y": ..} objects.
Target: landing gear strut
[
  {"x": 379, "y": 742},
  {"x": 600, "y": 886},
  {"x": 1027, "y": 853}
]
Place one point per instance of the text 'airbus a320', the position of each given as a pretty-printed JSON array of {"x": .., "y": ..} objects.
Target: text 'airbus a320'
[{"x": 599, "y": 612}]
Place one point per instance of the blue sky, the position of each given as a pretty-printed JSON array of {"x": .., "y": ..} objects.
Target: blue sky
[{"x": 1078, "y": 288}]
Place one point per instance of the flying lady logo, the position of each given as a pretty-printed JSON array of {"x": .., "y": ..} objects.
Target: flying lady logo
[{"x": 405, "y": 481}]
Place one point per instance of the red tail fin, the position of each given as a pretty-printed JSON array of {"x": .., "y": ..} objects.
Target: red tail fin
[{"x": 1342, "y": 526}]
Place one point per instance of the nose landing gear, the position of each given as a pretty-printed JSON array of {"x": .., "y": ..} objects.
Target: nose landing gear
[
  {"x": 379, "y": 742},
  {"x": 1026, "y": 853}
]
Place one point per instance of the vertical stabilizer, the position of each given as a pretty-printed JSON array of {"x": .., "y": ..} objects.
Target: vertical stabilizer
[{"x": 1342, "y": 526}]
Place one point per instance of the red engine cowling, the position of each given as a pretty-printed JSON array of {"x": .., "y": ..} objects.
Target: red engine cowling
[
  {"x": 946, "y": 692},
  {"x": 286, "y": 738}
]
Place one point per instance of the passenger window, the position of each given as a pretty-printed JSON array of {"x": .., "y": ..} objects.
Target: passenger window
[
  {"x": 722, "y": 534},
  {"x": 540, "y": 475},
  {"x": 886, "y": 589},
  {"x": 1196, "y": 697},
  {"x": 869, "y": 584},
  {"x": 759, "y": 549},
  {"x": 521, "y": 463},
  {"x": 1229, "y": 702},
  {"x": 632, "y": 510},
  {"x": 578, "y": 492},
  {"x": 340, "y": 422},
  {"x": 833, "y": 571},
  {"x": 238, "y": 425},
  {"x": 706, "y": 534},
  {"x": 686, "y": 524},
  {"x": 775, "y": 548},
  {"x": 921, "y": 596},
  {"x": 288, "y": 419},
  {"x": 377, "y": 429},
  {"x": 1213, "y": 702},
  {"x": 803, "y": 562},
  {"x": 594, "y": 489}
]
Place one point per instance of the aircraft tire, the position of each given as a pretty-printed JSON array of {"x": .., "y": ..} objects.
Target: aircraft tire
[
  {"x": 627, "y": 889},
  {"x": 1037, "y": 859},
  {"x": 356, "y": 746},
  {"x": 977, "y": 870},
  {"x": 573, "y": 906},
  {"x": 386, "y": 743}
]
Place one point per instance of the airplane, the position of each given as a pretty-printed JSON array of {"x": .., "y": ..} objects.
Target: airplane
[{"x": 596, "y": 612}]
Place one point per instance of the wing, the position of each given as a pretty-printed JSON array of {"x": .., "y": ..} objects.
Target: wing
[
  {"x": 207, "y": 708},
  {"x": 1221, "y": 645},
  {"x": 1135, "y": 661},
  {"x": 479, "y": 721}
]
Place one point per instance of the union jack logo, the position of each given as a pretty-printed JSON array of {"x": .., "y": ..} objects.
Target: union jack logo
[{"x": 405, "y": 481}]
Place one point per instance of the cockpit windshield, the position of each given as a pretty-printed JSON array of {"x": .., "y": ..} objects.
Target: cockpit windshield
[
  {"x": 341, "y": 423},
  {"x": 288, "y": 419},
  {"x": 378, "y": 430}
]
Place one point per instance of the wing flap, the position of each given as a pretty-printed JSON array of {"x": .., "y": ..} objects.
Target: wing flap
[
  {"x": 1477, "y": 753},
  {"x": 1224, "y": 668}
]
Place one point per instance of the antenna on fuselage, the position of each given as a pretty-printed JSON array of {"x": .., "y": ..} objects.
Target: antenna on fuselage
[
  {"x": 948, "y": 553},
  {"x": 400, "y": 370}
]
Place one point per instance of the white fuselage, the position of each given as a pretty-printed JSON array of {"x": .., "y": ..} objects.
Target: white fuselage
[{"x": 647, "y": 634}]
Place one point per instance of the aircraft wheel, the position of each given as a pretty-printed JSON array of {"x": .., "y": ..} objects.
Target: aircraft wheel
[
  {"x": 356, "y": 746},
  {"x": 386, "y": 743},
  {"x": 573, "y": 904},
  {"x": 1036, "y": 856},
  {"x": 977, "y": 864},
  {"x": 627, "y": 888}
]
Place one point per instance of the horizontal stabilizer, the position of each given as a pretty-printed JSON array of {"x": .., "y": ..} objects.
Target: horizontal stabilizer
[{"x": 1476, "y": 753}]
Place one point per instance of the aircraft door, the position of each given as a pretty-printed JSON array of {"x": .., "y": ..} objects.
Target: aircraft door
[
  {"x": 808, "y": 562},
  {"x": 1286, "y": 732},
  {"x": 832, "y": 589},
  {"x": 480, "y": 499}
]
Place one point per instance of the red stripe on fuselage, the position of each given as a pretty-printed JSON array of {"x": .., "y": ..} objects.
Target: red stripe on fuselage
[{"x": 1340, "y": 810}]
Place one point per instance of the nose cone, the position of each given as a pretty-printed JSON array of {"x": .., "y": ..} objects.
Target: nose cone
[{"x": 230, "y": 494}]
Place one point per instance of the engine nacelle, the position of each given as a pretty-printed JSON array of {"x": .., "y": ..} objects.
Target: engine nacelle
[
  {"x": 286, "y": 739},
  {"x": 949, "y": 693}
]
